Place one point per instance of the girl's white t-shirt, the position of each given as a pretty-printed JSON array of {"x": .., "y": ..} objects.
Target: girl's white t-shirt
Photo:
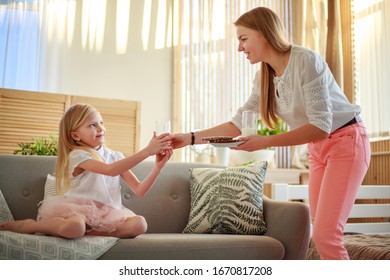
[
  {"x": 93, "y": 186},
  {"x": 307, "y": 94}
]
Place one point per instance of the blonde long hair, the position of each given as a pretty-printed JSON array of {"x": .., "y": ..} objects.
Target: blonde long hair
[
  {"x": 70, "y": 121},
  {"x": 268, "y": 23}
]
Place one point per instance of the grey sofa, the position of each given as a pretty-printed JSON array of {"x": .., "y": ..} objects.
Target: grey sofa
[{"x": 166, "y": 208}]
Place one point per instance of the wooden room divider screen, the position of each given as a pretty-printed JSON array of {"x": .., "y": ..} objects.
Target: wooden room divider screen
[{"x": 27, "y": 114}]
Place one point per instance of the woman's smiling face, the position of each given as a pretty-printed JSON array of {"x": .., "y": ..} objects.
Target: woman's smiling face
[{"x": 252, "y": 43}]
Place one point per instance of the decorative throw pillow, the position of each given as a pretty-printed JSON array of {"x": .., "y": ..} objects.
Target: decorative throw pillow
[
  {"x": 5, "y": 213},
  {"x": 227, "y": 200},
  {"x": 50, "y": 186}
]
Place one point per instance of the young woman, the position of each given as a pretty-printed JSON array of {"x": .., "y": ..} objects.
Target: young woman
[
  {"x": 296, "y": 85},
  {"x": 88, "y": 181}
]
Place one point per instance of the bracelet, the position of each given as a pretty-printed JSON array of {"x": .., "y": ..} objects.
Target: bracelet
[{"x": 192, "y": 138}]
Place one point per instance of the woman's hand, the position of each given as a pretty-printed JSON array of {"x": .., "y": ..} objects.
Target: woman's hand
[
  {"x": 181, "y": 140},
  {"x": 253, "y": 143},
  {"x": 159, "y": 144}
]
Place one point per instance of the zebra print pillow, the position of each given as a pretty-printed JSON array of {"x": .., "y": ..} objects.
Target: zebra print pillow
[{"x": 227, "y": 200}]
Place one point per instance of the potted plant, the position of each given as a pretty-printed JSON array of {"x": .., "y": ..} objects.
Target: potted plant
[
  {"x": 280, "y": 127},
  {"x": 41, "y": 146}
]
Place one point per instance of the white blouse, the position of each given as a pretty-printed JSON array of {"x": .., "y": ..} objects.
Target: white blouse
[
  {"x": 307, "y": 94},
  {"x": 90, "y": 185}
]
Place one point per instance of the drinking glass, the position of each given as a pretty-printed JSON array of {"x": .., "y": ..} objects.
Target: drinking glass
[
  {"x": 163, "y": 127},
  {"x": 249, "y": 123}
]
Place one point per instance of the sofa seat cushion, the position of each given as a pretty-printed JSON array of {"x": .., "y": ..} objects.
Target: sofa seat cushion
[
  {"x": 168, "y": 246},
  {"x": 19, "y": 246}
]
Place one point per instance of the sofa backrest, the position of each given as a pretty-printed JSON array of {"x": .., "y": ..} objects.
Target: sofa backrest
[
  {"x": 165, "y": 207},
  {"x": 22, "y": 181}
]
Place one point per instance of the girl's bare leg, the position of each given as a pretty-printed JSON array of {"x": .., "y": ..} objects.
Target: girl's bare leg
[
  {"x": 130, "y": 228},
  {"x": 72, "y": 227},
  {"x": 21, "y": 226}
]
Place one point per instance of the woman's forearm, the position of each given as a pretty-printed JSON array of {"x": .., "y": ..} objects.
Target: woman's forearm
[{"x": 225, "y": 129}]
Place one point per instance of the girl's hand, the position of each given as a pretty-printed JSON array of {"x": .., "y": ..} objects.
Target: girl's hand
[
  {"x": 158, "y": 144},
  {"x": 162, "y": 159}
]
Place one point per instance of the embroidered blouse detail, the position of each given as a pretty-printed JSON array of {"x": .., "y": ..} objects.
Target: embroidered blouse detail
[
  {"x": 315, "y": 95},
  {"x": 284, "y": 93}
]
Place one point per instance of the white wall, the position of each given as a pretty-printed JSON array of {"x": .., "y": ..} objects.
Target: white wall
[{"x": 138, "y": 74}]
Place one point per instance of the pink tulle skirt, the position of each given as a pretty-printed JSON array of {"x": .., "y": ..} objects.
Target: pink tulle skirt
[{"x": 97, "y": 216}]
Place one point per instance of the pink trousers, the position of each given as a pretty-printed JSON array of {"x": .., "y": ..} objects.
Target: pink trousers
[{"x": 338, "y": 165}]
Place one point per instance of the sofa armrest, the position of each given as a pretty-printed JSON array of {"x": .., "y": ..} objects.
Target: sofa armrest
[{"x": 288, "y": 222}]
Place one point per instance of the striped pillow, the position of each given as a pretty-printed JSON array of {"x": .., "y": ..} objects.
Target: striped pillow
[{"x": 227, "y": 200}]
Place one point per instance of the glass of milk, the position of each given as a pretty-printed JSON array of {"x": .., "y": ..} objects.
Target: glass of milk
[
  {"x": 163, "y": 127},
  {"x": 249, "y": 123}
]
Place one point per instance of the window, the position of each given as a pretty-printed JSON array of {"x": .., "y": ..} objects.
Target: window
[
  {"x": 19, "y": 53},
  {"x": 372, "y": 63}
]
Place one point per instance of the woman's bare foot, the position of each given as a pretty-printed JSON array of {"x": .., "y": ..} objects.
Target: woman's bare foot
[{"x": 22, "y": 226}]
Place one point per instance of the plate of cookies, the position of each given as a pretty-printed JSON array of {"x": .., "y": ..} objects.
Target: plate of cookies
[{"x": 222, "y": 141}]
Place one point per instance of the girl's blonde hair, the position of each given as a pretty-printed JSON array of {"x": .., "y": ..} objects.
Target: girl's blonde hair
[
  {"x": 70, "y": 121},
  {"x": 269, "y": 24}
]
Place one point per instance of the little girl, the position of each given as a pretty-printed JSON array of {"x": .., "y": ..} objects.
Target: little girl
[{"x": 88, "y": 182}]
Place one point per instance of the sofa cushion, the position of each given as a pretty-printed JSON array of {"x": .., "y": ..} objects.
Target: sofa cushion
[
  {"x": 19, "y": 246},
  {"x": 5, "y": 213},
  {"x": 227, "y": 200},
  {"x": 179, "y": 246}
]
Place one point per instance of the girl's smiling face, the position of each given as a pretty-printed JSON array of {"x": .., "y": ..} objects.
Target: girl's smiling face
[
  {"x": 91, "y": 132},
  {"x": 252, "y": 43}
]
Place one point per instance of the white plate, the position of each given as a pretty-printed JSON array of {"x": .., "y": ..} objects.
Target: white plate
[{"x": 229, "y": 144}]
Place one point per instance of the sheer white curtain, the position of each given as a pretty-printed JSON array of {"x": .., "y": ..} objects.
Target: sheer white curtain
[
  {"x": 211, "y": 78},
  {"x": 372, "y": 63},
  {"x": 32, "y": 34},
  {"x": 20, "y": 42},
  {"x": 310, "y": 19}
]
